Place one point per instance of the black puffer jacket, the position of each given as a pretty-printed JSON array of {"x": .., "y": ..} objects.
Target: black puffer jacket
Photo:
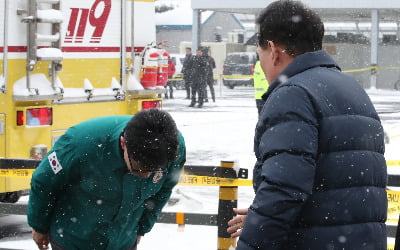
[{"x": 320, "y": 175}]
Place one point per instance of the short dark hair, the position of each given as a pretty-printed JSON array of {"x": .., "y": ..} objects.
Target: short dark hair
[
  {"x": 188, "y": 48},
  {"x": 204, "y": 50},
  {"x": 152, "y": 138},
  {"x": 292, "y": 25}
]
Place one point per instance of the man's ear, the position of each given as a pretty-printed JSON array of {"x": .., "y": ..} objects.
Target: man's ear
[
  {"x": 122, "y": 142},
  {"x": 275, "y": 53}
]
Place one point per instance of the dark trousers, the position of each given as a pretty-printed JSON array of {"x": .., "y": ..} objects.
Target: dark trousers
[
  {"x": 210, "y": 83},
  {"x": 188, "y": 83},
  {"x": 171, "y": 90},
  {"x": 198, "y": 87}
]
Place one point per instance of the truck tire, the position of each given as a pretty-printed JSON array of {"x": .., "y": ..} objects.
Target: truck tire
[{"x": 10, "y": 197}]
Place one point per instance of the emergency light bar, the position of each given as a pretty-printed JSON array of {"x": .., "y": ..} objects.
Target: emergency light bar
[
  {"x": 151, "y": 104},
  {"x": 35, "y": 117}
]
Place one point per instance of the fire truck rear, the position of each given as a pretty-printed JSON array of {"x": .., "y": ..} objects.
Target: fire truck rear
[{"x": 63, "y": 62}]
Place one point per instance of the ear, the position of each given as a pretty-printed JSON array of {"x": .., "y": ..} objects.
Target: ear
[
  {"x": 275, "y": 53},
  {"x": 122, "y": 142}
]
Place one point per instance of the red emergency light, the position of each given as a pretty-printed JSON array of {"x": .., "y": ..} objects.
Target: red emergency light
[
  {"x": 151, "y": 104},
  {"x": 35, "y": 117}
]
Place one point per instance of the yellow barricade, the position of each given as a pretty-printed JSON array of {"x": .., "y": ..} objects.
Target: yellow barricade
[{"x": 195, "y": 180}]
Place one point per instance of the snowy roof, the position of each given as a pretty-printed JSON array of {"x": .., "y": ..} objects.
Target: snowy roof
[{"x": 180, "y": 15}]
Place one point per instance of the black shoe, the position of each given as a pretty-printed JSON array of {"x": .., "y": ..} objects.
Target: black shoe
[
  {"x": 206, "y": 100},
  {"x": 200, "y": 105},
  {"x": 191, "y": 105},
  {"x": 188, "y": 97}
]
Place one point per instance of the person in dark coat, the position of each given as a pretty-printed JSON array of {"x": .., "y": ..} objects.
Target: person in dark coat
[
  {"x": 187, "y": 71},
  {"x": 210, "y": 75},
  {"x": 320, "y": 176},
  {"x": 199, "y": 77}
]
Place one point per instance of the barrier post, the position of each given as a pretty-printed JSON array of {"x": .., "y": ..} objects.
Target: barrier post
[{"x": 228, "y": 196}]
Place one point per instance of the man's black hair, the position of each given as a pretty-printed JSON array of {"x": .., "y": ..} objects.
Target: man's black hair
[
  {"x": 204, "y": 50},
  {"x": 152, "y": 138},
  {"x": 291, "y": 25}
]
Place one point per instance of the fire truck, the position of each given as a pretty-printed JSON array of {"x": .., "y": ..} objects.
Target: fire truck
[{"x": 63, "y": 62}]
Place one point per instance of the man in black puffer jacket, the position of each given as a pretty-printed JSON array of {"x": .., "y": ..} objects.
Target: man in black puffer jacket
[
  {"x": 320, "y": 176},
  {"x": 200, "y": 67}
]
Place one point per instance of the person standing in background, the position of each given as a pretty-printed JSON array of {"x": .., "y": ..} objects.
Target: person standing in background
[
  {"x": 200, "y": 69},
  {"x": 187, "y": 71},
  {"x": 320, "y": 174},
  {"x": 260, "y": 85},
  {"x": 210, "y": 75},
  {"x": 171, "y": 72}
]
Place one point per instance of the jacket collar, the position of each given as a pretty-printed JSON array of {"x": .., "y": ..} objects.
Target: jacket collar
[{"x": 301, "y": 63}]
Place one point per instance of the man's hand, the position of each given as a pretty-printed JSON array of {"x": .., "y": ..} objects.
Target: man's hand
[
  {"x": 138, "y": 239},
  {"x": 237, "y": 223},
  {"x": 41, "y": 240}
]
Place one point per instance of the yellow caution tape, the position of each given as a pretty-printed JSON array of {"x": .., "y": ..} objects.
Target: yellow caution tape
[
  {"x": 195, "y": 180},
  {"x": 187, "y": 180},
  {"x": 376, "y": 68},
  {"x": 362, "y": 69},
  {"x": 237, "y": 76},
  {"x": 393, "y": 163},
  {"x": 175, "y": 79},
  {"x": 25, "y": 173},
  {"x": 393, "y": 211}
]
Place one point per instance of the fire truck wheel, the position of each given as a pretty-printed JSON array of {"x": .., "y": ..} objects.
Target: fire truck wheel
[{"x": 10, "y": 197}]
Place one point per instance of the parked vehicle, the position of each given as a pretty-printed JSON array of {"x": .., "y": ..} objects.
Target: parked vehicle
[{"x": 238, "y": 69}]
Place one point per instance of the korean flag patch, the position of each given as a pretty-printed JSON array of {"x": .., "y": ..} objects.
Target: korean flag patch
[{"x": 54, "y": 163}]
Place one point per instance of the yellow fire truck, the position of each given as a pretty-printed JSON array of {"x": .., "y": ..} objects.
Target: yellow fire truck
[{"x": 62, "y": 62}]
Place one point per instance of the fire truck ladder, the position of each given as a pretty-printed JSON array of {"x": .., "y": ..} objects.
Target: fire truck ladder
[{"x": 41, "y": 14}]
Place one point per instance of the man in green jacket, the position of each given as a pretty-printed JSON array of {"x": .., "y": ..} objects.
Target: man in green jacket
[
  {"x": 260, "y": 85},
  {"x": 105, "y": 181}
]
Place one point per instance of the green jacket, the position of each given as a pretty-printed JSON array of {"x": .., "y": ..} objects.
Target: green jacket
[
  {"x": 260, "y": 82},
  {"x": 83, "y": 194}
]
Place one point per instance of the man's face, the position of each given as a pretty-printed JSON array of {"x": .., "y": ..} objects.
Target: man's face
[
  {"x": 188, "y": 51},
  {"x": 133, "y": 166},
  {"x": 199, "y": 53}
]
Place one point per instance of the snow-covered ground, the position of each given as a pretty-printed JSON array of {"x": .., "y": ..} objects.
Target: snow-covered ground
[{"x": 220, "y": 131}]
